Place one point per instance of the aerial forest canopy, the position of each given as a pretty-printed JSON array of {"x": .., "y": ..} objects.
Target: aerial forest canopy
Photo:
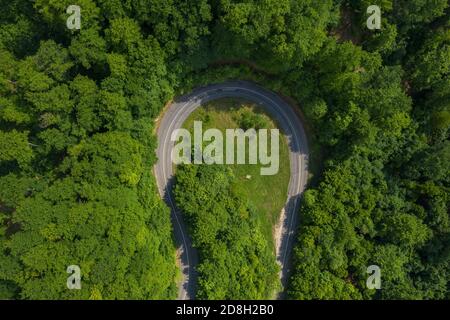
[{"x": 77, "y": 142}]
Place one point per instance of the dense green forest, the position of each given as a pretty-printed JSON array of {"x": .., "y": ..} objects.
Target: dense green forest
[{"x": 77, "y": 111}]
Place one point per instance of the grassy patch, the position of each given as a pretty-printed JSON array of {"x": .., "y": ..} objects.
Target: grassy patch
[{"x": 267, "y": 193}]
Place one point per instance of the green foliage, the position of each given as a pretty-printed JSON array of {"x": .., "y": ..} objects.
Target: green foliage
[
  {"x": 277, "y": 34},
  {"x": 88, "y": 48},
  {"x": 77, "y": 144},
  {"x": 316, "y": 109},
  {"x": 76, "y": 155},
  {"x": 236, "y": 259},
  {"x": 383, "y": 196},
  {"x": 249, "y": 119},
  {"x": 14, "y": 147},
  {"x": 431, "y": 64}
]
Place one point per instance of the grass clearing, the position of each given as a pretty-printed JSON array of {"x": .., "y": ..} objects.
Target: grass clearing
[{"x": 267, "y": 193}]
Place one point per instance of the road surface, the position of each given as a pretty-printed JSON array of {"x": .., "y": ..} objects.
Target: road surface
[{"x": 287, "y": 120}]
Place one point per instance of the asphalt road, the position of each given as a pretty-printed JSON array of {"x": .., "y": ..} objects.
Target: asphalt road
[{"x": 287, "y": 120}]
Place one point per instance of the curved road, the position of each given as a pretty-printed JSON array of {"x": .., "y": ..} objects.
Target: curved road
[{"x": 287, "y": 120}]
